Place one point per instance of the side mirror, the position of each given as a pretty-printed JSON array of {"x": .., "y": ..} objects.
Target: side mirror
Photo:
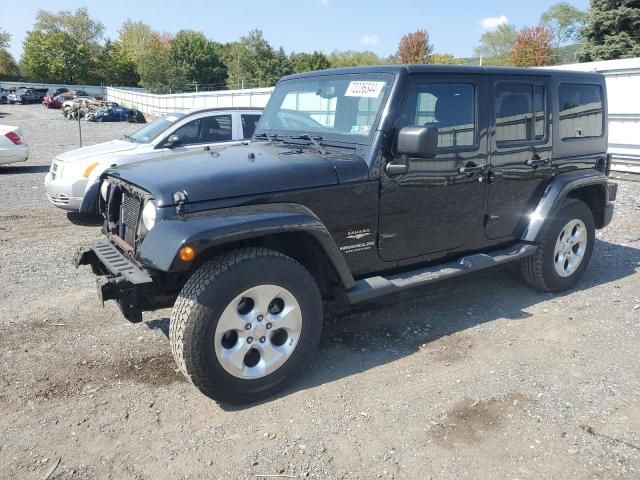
[
  {"x": 418, "y": 141},
  {"x": 172, "y": 141}
]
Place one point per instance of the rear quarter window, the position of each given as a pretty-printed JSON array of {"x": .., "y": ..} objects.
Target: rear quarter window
[{"x": 581, "y": 111}]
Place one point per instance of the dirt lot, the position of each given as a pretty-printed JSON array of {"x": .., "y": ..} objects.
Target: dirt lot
[{"x": 479, "y": 378}]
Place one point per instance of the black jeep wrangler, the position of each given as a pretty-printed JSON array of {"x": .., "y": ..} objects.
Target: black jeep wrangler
[{"x": 357, "y": 183}]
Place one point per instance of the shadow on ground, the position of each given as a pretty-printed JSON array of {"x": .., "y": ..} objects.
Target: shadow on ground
[
  {"x": 366, "y": 336},
  {"x": 21, "y": 168}
]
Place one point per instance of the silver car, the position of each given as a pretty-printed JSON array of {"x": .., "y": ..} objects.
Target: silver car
[{"x": 72, "y": 183}]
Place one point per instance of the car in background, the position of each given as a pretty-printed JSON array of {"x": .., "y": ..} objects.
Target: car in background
[
  {"x": 72, "y": 183},
  {"x": 13, "y": 149},
  {"x": 4, "y": 96},
  {"x": 24, "y": 96},
  {"x": 81, "y": 94},
  {"x": 58, "y": 100},
  {"x": 52, "y": 94}
]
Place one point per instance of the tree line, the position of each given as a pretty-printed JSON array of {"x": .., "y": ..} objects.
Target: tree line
[{"x": 70, "y": 47}]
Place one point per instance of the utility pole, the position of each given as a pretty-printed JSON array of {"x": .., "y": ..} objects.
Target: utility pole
[{"x": 239, "y": 69}]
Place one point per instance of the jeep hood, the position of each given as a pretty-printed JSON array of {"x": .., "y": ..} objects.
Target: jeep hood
[
  {"x": 231, "y": 172},
  {"x": 84, "y": 153}
]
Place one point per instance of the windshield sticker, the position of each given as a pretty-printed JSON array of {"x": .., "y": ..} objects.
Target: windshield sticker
[
  {"x": 364, "y": 89},
  {"x": 171, "y": 118},
  {"x": 360, "y": 130}
]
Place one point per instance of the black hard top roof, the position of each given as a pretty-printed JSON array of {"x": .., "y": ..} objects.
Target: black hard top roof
[{"x": 449, "y": 69}]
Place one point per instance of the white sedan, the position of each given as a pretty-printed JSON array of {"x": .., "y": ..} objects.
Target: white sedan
[
  {"x": 72, "y": 183},
  {"x": 12, "y": 146}
]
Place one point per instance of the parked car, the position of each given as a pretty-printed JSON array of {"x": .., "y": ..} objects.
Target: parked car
[
  {"x": 48, "y": 99},
  {"x": 13, "y": 149},
  {"x": 81, "y": 94},
  {"x": 58, "y": 100},
  {"x": 72, "y": 182},
  {"x": 25, "y": 96},
  {"x": 393, "y": 177}
]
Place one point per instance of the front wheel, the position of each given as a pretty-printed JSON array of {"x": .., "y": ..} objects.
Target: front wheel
[
  {"x": 565, "y": 249},
  {"x": 246, "y": 325}
]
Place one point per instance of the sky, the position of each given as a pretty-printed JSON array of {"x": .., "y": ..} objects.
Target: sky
[{"x": 454, "y": 26}]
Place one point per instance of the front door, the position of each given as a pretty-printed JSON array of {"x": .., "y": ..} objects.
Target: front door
[
  {"x": 521, "y": 162},
  {"x": 438, "y": 204},
  {"x": 203, "y": 133}
]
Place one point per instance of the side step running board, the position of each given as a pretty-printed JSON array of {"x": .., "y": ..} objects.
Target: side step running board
[{"x": 372, "y": 287}]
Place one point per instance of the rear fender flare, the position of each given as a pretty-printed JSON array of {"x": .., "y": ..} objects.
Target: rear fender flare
[
  {"x": 557, "y": 190},
  {"x": 204, "y": 230}
]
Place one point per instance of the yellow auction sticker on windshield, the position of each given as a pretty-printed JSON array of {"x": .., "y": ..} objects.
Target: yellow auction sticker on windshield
[{"x": 359, "y": 88}]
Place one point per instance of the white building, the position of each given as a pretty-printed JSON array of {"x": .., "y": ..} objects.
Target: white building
[{"x": 623, "y": 92}]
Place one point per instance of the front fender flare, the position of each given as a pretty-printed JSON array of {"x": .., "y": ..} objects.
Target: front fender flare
[
  {"x": 557, "y": 190},
  {"x": 204, "y": 230}
]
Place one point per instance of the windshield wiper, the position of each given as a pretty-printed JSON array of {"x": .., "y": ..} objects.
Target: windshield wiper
[
  {"x": 129, "y": 138},
  {"x": 315, "y": 140},
  {"x": 271, "y": 137}
]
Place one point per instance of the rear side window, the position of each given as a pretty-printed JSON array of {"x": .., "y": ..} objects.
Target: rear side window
[
  {"x": 581, "y": 112},
  {"x": 520, "y": 113},
  {"x": 249, "y": 122},
  {"x": 450, "y": 107}
]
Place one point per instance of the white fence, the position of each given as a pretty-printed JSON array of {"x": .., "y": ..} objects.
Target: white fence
[
  {"x": 153, "y": 104},
  {"x": 623, "y": 85},
  {"x": 90, "y": 89}
]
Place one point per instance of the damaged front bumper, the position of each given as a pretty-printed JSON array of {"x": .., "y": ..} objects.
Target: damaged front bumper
[{"x": 119, "y": 278}]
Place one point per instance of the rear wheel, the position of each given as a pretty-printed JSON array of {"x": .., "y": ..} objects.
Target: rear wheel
[
  {"x": 246, "y": 325},
  {"x": 565, "y": 250}
]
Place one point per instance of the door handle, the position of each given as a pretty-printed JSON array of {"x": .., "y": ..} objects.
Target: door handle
[
  {"x": 536, "y": 162},
  {"x": 471, "y": 168},
  {"x": 394, "y": 169}
]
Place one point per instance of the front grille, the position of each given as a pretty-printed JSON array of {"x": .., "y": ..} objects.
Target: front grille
[{"x": 130, "y": 210}]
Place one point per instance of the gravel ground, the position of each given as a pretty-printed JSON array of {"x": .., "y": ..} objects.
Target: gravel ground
[{"x": 479, "y": 378}]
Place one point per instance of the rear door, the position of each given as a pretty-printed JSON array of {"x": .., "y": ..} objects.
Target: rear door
[{"x": 520, "y": 159}]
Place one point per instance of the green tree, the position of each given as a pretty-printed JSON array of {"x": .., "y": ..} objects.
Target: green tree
[
  {"x": 116, "y": 67},
  {"x": 55, "y": 57},
  {"x": 611, "y": 31},
  {"x": 5, "y": 38},
  {"x": 307, "y": 62},
  {"x": 63, "y": 47},
  {"x": 158, "y": 72},
  {"x": 252, "y": 62},
  {"x": 198, "y": 57},
  {"x": 78, "y": 25},
  {"x": 565, "y": 21},
  {"x": 496, "y": 45},
  {"x": 352, "y": 58},
  {"x": 136, "y": 38},
  {"x": 445, "y": 59},
  {"x": 8, "y": 67},
  {"x": 414, "y": 48}
]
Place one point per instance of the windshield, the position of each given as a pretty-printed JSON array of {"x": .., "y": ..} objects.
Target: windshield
[
  {"x": 153, "y": 129},
  {"x": 344, "y": 107}
]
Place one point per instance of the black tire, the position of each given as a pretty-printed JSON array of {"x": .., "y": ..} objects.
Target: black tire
[
  {"x": 538, "y": 270},
  {"x": 205, "y": 297}
]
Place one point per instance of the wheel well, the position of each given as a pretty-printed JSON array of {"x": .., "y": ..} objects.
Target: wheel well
[
  {"x": 301, "y": 246},
  {"x": 595, "y": 197}
]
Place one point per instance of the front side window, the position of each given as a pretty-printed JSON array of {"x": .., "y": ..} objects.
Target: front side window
[
  {"x": 206, "y": 130},
  {"x": 448, "y": 106},
  {"x": 581, "y": 111},
  {"x": 520, "y": 112},
  {"x": 343, "y": 107}
]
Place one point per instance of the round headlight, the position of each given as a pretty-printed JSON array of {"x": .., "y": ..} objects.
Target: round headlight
[
  {"x": 149, "y": 216},
  {"x": 103, "y": 190}
]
